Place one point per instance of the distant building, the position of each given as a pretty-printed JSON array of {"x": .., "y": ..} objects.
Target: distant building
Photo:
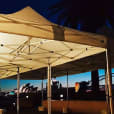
[{"x": 27, "y": 88}]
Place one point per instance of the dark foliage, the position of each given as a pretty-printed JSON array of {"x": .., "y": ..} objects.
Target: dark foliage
[{"x": 91, "y": 14}]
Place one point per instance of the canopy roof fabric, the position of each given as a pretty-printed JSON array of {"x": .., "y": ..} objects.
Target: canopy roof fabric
[
  {"x": 86, "y": 64},
  {"x": 31, "y": 42},
  {"x": 27, "y": 22},
  {"x": 34, "y": 53}
]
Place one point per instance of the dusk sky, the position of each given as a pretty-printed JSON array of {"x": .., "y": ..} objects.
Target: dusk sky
[
  {"x": 12, "y": 84},
  {"x": 41, "y": 6}
]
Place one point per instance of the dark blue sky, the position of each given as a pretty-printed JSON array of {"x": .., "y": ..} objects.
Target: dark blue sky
[{"x": 41, "y": 6}]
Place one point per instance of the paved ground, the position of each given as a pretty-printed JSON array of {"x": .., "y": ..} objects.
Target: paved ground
[
  {"x": 34, "y": 111},
  {"x": 47, "y": 113}
]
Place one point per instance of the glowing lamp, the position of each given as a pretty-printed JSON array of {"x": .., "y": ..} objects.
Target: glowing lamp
[{"x": 77, "y": 87}]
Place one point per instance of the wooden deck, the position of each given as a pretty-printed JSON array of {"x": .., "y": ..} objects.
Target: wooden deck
[{"x": 78, "y": 106}]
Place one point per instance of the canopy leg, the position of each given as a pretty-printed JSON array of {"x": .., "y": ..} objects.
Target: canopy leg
[
  {"x": 107, "y": 91},
  {"x": 49, "y": 89},
  {"x": 109, "y": 78},
  {"x": 67, "y": 87},
  {"x": 42, "y": 90},
  {"x": 18, "y": 86}
]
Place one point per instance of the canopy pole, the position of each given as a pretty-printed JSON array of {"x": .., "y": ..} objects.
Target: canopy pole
[
  {"x": 42, "y": 90},
  {"x": 67, "y": 87},
  {"x": 109, "y": 77},
  {"x": 18, "y": 86},
  {"x": 107, "y": 92},
  {"x": 49, "y": 89}
]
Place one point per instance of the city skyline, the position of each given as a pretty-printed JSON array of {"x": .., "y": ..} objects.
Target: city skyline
[{"x": 6, "y": 84}]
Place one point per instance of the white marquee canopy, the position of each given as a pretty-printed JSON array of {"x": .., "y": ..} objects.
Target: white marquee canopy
[{"x": 31, "y": 42}]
